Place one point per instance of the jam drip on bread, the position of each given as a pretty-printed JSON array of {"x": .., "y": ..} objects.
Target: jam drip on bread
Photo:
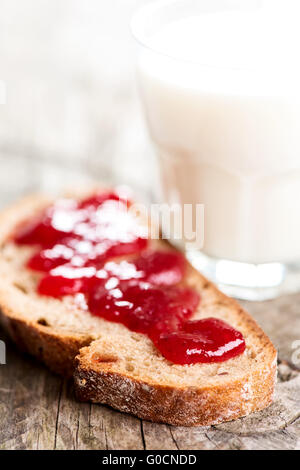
[{"x": 80, "y": 248}]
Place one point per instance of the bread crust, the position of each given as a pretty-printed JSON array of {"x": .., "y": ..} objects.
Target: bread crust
[
  {"x": 55, "y": 350},
  {"x": 99, "y": 383},
  {"x": 188, "y": 406}
]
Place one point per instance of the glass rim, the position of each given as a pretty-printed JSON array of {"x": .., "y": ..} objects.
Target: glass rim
[
  {"x": 136, "y": 27},
  {"x": 143, "y": 12}
]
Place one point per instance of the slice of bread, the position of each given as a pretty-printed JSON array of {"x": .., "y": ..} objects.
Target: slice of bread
[{"x": 124, "y": 369}]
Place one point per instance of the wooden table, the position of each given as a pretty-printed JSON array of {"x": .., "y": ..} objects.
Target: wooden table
[{"x": 38, "y": 409}]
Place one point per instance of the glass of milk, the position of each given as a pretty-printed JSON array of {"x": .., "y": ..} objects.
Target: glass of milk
[{"x": 220, "y": 84}]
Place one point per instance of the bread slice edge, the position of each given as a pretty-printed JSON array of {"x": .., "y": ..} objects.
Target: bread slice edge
[{"x": 187, "y": 406}]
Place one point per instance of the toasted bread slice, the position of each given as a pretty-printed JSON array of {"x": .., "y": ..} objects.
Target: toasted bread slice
[{"x": 124, "y": 369}]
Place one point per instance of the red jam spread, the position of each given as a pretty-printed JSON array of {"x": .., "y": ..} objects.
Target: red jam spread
[
  {"x": 207, "y": 340},
  {"x": 79, "y": 249}
]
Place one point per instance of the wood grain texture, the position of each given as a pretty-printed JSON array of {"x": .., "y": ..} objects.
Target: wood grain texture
[{"x": 39, "y": 411}]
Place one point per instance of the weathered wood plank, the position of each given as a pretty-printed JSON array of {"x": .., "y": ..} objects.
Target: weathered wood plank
[
  {"x": 28, "y": 402},
  {"x": 280, "y": 319},
  {"x": 158, "y": 437},
  {"x": 120, "y": 431}
]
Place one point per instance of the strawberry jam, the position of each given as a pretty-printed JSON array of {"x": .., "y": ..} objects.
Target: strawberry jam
[
  {"x": 78, "y": 245},
  {"x": 143, "y": 307},
  {"x": 207, "y": 340}
]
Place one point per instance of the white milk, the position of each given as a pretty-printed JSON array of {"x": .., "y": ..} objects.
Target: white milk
[{"x": 228, "y": 133}]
